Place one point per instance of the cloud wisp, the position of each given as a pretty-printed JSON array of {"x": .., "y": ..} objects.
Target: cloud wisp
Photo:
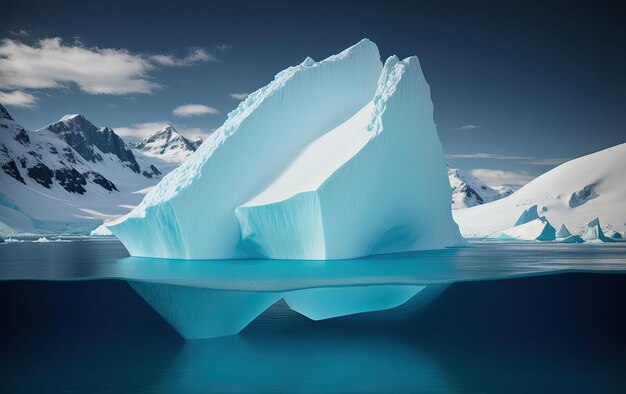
[
  {"x": 549, "y": 162},
  {"x": 198, "y": 55},
  {"x": 535, "y": 161},
  {"x": 239, "y": 96},
  {"x": 51, "y": 64},
  {"x": 494, "y": 156},
  {"x": 469, "y": 127},
  {"x": 502, "y": 177},
  {"x": 188, "y": 110},
  {"x": 17, "y": 98}
]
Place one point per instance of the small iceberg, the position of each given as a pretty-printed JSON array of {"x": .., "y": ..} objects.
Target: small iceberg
[
  {"x": 595, "y": 233},
  {"x": 563, "y": 232},
  {"x": 527, "y": 216},
  {"x": 42, "y": 239},
  {"x": 563, "y": 235},
  {"x": 529, "y": 227}
]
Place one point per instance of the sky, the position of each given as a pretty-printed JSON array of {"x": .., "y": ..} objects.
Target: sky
[{"x": 517, "y": 88}]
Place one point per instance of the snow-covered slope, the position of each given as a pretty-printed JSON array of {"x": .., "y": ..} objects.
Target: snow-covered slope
[
  {"x": 469, "y": 191},
  {"x": 332, "y": 159},
  {"x": 573, "y": 193},
  {"x": 65, "y": 178}
]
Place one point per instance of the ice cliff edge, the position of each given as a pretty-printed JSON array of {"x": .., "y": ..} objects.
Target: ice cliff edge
[{"x": 333, "y": 159}]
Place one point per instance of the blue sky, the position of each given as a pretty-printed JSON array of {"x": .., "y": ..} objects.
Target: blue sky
[{"x": 517, "y": 88}]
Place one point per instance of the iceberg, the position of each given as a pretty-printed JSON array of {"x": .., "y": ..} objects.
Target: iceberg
[
  {"x": 594, "y": 232},
  {"x": 528, "y": 215},
  {"x": 538, "y": 229},
  {"x": 529, "y": 227},
  {"x": 563, "y": 235},
  {"x": 563, "y": 232},
  {"x": 334, "y": 159},
  {"x": 616, "y": 235}
]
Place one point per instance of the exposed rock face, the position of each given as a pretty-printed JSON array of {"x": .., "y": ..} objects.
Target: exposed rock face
[
  {"x": 83, "y": 136},
  {"x": 65, "y": 178},
  {"x": 4, "y": 114}
]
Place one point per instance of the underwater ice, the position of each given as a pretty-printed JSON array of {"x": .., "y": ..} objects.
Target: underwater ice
[
  {"x": 198, "y": 313},
  {"x": 333, "y": 159}
]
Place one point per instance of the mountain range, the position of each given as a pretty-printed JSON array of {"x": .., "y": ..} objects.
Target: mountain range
[{"x": 71, "y": 175}]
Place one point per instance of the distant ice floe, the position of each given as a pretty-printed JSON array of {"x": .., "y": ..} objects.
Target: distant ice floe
[{"x": 531, "y": 227}]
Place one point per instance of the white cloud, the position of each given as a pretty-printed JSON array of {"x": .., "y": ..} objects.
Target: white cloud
[
  {"x": 469, "y": 127},
  {"x": 501, "y": 177},
  {"x": 494, "y": 156},
  {"x": 17, "y": 98},
  {"x": 50, "y": 63},
  {"x": 239, "y": 96},
  {"x": 185, "y": 111},
  {"x": 198, "y": 55},
  {"x": 141, "y": 130}
]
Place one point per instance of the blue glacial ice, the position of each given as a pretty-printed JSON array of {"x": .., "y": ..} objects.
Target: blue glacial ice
[
  {"x": 328, "y": 302},
  {"x": 332, "y": 160},
  {"x": 196, "y": 312}
]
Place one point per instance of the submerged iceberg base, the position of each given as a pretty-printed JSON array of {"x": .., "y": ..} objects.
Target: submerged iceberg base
[
  {"x": 326, "y": 303},
  {"x": 198, "y": 313}
]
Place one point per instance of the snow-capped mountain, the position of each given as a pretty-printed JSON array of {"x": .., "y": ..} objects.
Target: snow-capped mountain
[
  {"x": 469, "y": 191},
  {"x": 66, "y": 177},
  {"x": 574, "y": 193},
  {"x": 163, "y": 150},
  {"x": 167, "y": 145}
]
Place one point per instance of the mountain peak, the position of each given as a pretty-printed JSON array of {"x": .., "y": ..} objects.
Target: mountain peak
[
  {"x": 167, "y": 144},
  {"x": 69, "y": 117},
  {"x": 4, "y": 114}
]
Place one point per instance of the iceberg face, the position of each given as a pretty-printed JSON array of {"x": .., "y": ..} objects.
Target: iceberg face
[
  {"x": 528, "y": 215},
  {"x": 368, "y": 196},
  {"x": 331, "y": 160}
]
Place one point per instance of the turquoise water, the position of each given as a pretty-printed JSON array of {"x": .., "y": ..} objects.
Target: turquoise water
[{"x": 495, "y": 318}]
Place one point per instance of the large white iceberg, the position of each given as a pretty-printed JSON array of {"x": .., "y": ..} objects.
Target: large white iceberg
[{"x": 333, "y": 159}]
